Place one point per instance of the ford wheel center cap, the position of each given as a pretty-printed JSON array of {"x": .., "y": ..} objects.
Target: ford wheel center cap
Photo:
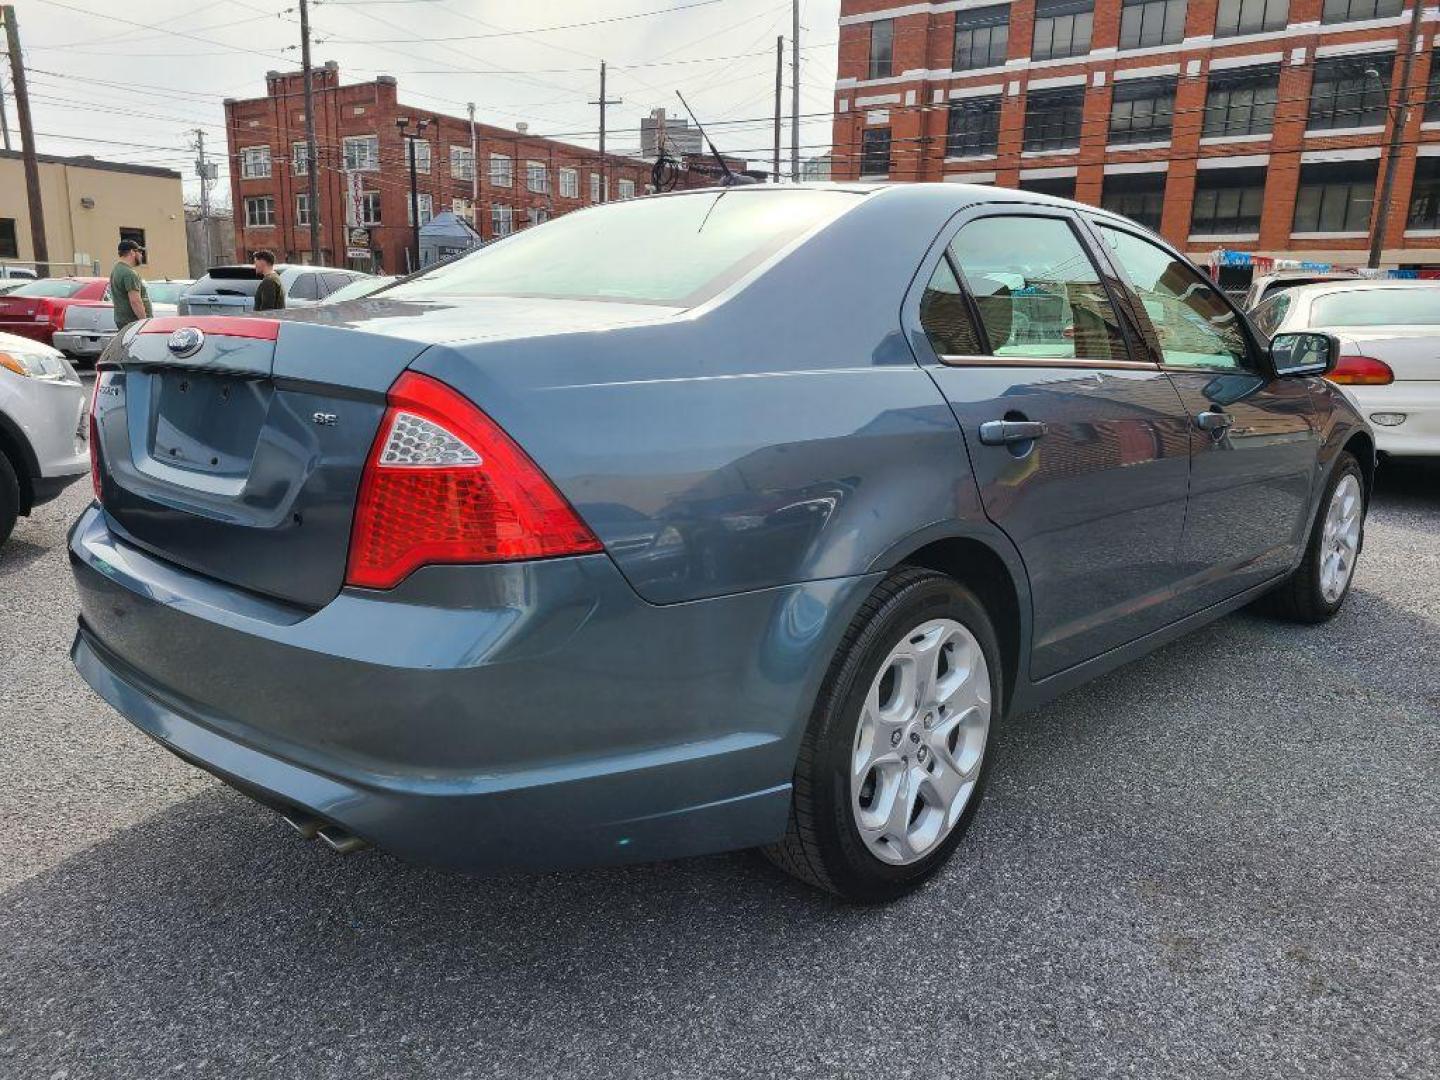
[{"x": 186, "y": 341}]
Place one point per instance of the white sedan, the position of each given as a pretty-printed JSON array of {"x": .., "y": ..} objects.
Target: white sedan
[
  {"x": 44, "y": 429},
  {"x": 1389, "y": 334}
]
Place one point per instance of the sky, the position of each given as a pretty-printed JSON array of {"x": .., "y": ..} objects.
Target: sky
[{"x": 132, "y": 81}]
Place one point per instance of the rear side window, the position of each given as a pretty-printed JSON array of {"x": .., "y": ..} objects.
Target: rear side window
[
  {"x": 945, "y": 315},
  {"x": 672, "y": 249},
  {"x": 335, "y": 281},
  {"x": 51, "y": 287},
  {"x": 1378, "y": 307},
  {"x": 1037, "y": 291},
  {"x": 306, "y": 287}
]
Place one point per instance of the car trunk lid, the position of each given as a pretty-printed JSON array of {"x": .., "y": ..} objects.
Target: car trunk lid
[{"x": 1411, "y": 352}]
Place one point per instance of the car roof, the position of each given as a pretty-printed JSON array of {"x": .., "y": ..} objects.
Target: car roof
[{"x": 1329, "y": 288}]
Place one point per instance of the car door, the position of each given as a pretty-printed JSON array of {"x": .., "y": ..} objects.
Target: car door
[
  {"x": 1080, "y": 450},
  {"x": 1254, "y": 440}
]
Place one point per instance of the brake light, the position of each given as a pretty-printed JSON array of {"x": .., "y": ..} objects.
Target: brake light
[
  {"x": 444, "y": 484},
  {"x": 1362, "y": 371},
  {"x": 50, "y": 311}
]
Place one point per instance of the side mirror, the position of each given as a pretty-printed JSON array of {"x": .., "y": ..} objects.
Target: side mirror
[{"x": 1304, "y": 354}]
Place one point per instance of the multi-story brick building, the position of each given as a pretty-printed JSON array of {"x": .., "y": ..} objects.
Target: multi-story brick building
[
  {"x": 499, "y": 179},
  {"x": 1256, "y": 125}
]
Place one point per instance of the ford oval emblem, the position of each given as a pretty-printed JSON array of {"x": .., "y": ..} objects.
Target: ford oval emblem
[{"x": 186, "y": 341}]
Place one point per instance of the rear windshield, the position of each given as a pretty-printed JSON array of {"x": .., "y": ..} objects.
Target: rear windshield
[
  {"x": 1378, "y": 307},
  {"x": 224, "y": 286},
  {"x": 673, "y": 250},
  {"x": 50, "y": 287}
]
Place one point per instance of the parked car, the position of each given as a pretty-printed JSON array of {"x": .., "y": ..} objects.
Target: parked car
[
  {"x": 703, "y": 521},
  {"x": 9, "y": 285},
  {"x": 230, "y": 290},
  {"x": 9, "y": 271},
  {"x": 1389, "y": 334},
  {"x": 44, "y": 443},
  {"x": 37, "y": 309},
  {"x": 88, "y": 327},
  {"x": 1267, "y": 285},
  {"x": 360, "y": 287}
]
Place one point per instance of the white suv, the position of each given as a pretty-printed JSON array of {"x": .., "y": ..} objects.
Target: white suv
[{"x": 44, "y": 436}]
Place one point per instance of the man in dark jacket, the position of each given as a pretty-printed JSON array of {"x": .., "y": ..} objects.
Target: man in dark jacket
[{"x": 270, "y": 296}]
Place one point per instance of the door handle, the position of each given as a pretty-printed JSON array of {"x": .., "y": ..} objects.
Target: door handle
[
  {"x": 1213, "y": 421},
  {"x": 1004, "y": 432}
]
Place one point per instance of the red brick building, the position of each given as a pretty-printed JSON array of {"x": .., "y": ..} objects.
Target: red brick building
[
  {"x": 1256, "y": 125},
  {"x": 502, "y": 181}
]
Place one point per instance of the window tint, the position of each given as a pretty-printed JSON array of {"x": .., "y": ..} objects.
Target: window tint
[
  {"x": 982, "y": 37},
  {"x": 331, "y": 282},
  {"x": 1141, "y": 110},
  {"x": 1250, "y": 16},
  {"x": 306, "y": 287},
  {"x": 1270, "y": 314},
  {"x": 945, "y": 316},
  {"x": 1137, "y": 196},
  {"x": 1378, "y": 307},
  {"x": 1241, "y": 102},
  {"x": 974, "y": 127},
  {"x": 1038, "y": 293},
  {"x": 1195, "y": 326},
  {"x": 674, "y": 249}
]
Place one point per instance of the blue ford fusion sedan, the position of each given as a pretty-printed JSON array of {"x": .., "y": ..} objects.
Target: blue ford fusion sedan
[{"x": 724, "y": 519}]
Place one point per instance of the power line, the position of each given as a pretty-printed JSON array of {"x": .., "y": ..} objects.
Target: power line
[{"x": 532, "y": 30}]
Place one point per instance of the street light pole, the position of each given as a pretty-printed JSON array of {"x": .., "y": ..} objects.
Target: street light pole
[{"x": 1400, "y": 114}]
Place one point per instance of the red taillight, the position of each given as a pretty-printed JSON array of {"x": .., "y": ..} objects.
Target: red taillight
[
  {"x": 53, "y": 312},
  {"x": 444, "y": 484},
  {"x": 1362, "y": 371},
  {"x": 95, "y": 438}
]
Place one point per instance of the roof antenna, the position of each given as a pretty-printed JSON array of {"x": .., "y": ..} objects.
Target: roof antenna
[{"x": 730, "y": 179}]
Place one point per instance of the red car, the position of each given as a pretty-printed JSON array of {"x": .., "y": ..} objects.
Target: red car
[{"x": 37, "y": 310}]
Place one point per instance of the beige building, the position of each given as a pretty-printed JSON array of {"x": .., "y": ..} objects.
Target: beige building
[{"x": 90, "y": 206}]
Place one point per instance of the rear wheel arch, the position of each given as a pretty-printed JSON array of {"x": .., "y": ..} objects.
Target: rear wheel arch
[
  {"x": 17, "y": 449},
  {"x": 1362, "y": 446}
]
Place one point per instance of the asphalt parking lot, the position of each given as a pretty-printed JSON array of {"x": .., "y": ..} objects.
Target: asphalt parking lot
[{"x": 1221, "y": 861}]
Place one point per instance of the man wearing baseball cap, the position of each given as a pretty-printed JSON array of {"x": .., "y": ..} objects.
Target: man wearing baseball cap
[{"x": 127, "y": 288}]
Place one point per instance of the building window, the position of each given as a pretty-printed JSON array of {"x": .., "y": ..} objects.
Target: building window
[
  {"x": 1424, "y": 196},
  {"x": 462, "y": 163},
  {"x": 502, "y": 173},
  {"x": 1250, "y": 16},
  {"x": 594, "y": 187},
  {"x": 982, "y": 37},
  {"x": 362, "y": 153},
  {"x": 882, "y": 49},
  {"x": 1241, "y": 102},
  {"x": 299, "y": 158},
  {"x": 1345, "y": 95},
  {"x": 422, "y": 155},
  {"x": 1062, "y": 187},
  {"x": 254, "y": 162},
  {"x": 537, "y": 215},
  {"x": 569, "y": 184},
  {"x": 1062, "y": 28},
  {"x": 1335, "y": 197},
  {"x": 1146, "y": 23},
  {"x": 536, "y": 178},
  {"x": 426, "y": 202},
  {"x": 9, "y": 241},
  {"x": 1137, "y": 196},
  {"x": 463, "y": 208},
  {"x": 1228, "y": 201},
  {"x": 302, "y": 210},
  {"x": 138, "y": 235},
  {"x": 259, "y": 211},
  {"x": 626, "y": 189},
  {"x": 1141, "y": 110},
  {"x": 502, "y": 220},
  {"x": 875, "y": 152},
  {"x": 370, "y": 208},
  {"x": 1337, "y": 11},
  {"x": 1052, "y": 118},
  {"x": 974, "y": 127},
  {"x": 1432, "y": 92}
]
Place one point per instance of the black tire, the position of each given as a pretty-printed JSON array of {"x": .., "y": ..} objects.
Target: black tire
[
  {"x": 9, "y": 498},
  {"x": 1299, "y": 598},
  {"x": 822, "y": 845}
]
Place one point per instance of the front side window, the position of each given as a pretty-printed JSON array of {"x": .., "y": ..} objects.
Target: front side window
[
  {"x": 305, "y": 287},
  {"x": 882, "y": 49},
  {"x": 982, "y": 37},
  {"x": 362, "y": 153},
  {"x": 1053, "y": 118},
  {"x": 1241, "y": 102},
  {"x": 875, "y": 152},
  {"x": 674, "y": 251},
  {"x": 501, "y": 171},
  {"x": 1425, "y": 195},
  {"x": 462, "y": 163},
  {"x": 1141, "y": 110},
  {"x": 260, "y": 211},
  {"x": 1271, "y": 313},
  {"x": 1228, "y": 202},
  {"x": 1336, "y": 11},
  {"x": 1038, "y": 294},
  {"x": 1062, "y": 28},
  {"x": 1235, "y": 17},
  {"x": 1137, "y": 196},
  {"x": 536, "y": 178},
  {"x": 974, "y": 128},
  {"x": 254, "y": 162},
  {"x": 945, "y": 315},
  {"x": 1146, "y": 23},
  {"x": 1349, "y": 91},
  {"x": 1378, "y": 307},
  {"x": 1335, "y": 197},
  {"x": 1193, "y": 323}
]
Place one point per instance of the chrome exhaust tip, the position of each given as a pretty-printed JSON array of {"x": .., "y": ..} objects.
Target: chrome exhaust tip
[{"x": 340, "y": 841}]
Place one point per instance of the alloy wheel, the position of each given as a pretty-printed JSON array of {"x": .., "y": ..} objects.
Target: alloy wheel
[{"x": 1340, "y": 538}]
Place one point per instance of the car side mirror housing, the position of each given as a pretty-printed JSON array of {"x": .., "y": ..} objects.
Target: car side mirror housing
[{"x": 1304, "y": 354}]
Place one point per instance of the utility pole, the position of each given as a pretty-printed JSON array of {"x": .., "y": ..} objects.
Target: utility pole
[
  {"x": 27, "y": 143},
  {"x": 312, "y": 157},
  {"x": 474, "y": 168},
  {"x": 1401, "y": 111},
  {"x": 420, "y": 125},
  {"x": 795, "y": 92},
  {"x": 779, "y": 96},
  {"x": 604, "y": 161},
  {"x": 204, "y": 169},
  {"x": 4, "y": 120}
]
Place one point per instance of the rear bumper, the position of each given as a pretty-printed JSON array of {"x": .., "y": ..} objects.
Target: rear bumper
[
  {"x": 544, "y": 716},
  {"x": 1419, "y": 433},
  {"x": 82, "y": 343}
]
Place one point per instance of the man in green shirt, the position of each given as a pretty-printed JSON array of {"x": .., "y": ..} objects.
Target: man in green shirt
[
  {"x": 270, "y": 296},
  {"x": 127, "y": 288}
]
